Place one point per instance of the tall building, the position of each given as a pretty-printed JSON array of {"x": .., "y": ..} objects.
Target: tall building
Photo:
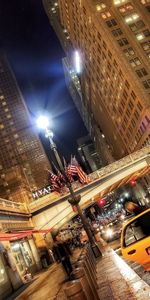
[
  {"x": 88, "y": 155},
  {"x": 112, "y": 39},
  {"x": 23, "y": 161}
]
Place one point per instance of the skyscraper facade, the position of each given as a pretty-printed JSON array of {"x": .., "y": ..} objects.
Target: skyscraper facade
[
  {"x": 112, "y": 39},
  {"x": 23, "y": 161}
]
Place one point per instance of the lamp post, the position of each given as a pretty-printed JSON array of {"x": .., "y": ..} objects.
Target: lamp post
[{"x": 73, "y": 200}]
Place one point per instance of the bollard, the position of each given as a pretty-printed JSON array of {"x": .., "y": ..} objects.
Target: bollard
[
  {"x": 91, "y": 281},
  {"x": 73, "y": 290},
  {"x": 91, "y": 271},
  {"x": 79, "y": 273}
]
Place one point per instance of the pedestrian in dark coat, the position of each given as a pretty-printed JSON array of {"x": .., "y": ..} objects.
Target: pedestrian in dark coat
[{"x": 62, "y": 252}]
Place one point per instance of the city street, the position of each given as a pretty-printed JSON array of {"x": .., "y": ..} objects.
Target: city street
[
  {"x": 114, "y": 277},
  {"x": 74, "y": 150}
]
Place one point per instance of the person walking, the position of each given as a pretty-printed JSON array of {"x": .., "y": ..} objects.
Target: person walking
[{"x": 62, "y": 253}]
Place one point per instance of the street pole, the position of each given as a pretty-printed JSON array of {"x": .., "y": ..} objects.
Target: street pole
[{"x": 74, "y": 200}]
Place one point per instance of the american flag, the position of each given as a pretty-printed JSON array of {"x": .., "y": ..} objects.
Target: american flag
[
  {"x": 75, "y": 169},
  {"x": 54, "y": 181}
]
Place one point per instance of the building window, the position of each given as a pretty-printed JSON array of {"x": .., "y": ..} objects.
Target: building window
[
  {"x": 142, "y": 72},
  {"x": 127, "y": 84},
  {"x": 140, "y": 36},
  {"x": 147, "y": 119},
  {"x": 136, "y": 26},
  {"x": 131, "y": 18},
  {"x": 146, "y": 33},
  {"x": 146, "y": 45},
  {"x": 139, "y": 105},
  {"x": 117, "y": 32},
  {"x": 125, "y": 8},
  {"x": 145, "y": 1},
  {"x": 133, "y": 95},
  {"x": 135, "y": 62},
  {"x": 8, "y": 116},
  {"x": 131, "y": 104},
  {"x": 146, "y": 84},
  {"x": 129, "y": 52},
  {"x": 122, "y": 42},
  {"x": 136, "y": 114},
  {"x": 111, "y": 23},
  {"x": 101, "y": 6},
  {"x": 106, "y": 15}
]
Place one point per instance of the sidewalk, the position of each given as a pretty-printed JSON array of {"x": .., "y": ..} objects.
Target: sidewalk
[
  {"x": 117, "y": 281},
  {"x": 46, "y": 284}
]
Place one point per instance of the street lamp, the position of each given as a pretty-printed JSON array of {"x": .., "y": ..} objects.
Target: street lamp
[{"x": 74, "y": 200}]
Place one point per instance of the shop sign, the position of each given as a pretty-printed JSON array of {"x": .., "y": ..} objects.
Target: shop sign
[{"x": 41, "y": 192}]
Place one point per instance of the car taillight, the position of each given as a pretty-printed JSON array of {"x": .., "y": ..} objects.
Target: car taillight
[{"x": 148, "y": 250}]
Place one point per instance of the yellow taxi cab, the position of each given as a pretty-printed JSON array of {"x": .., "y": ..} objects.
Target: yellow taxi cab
[{"x": 135, "y": 239}]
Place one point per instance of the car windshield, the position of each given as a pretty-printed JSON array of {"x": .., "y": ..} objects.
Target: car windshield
[{"x": 137, "y": 230}]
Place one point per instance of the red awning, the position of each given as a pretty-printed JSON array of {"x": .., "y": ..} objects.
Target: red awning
[{"x": 21, "y": 234}]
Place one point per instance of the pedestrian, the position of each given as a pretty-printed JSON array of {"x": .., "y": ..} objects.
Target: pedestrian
[{"x": 62, "y": 252}]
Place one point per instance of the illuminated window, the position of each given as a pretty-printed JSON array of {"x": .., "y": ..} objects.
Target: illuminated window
[
  {"x": 145, "y": 1},
  {"x": 146, "y": 46},
  {"x": 140, "y": 36},
  {"x": 118, "y": 2},
  {"x": 124, "y": 8},
  {"x": 131, "y": 18},
  {"x": 135, "y": 62},
  {"x": 1, "y": 126},
  {"x": 129, "y": 51},
  {"x": 4, "y": 103},
  {"x": 106, "y": 15},
  {"x": 101, "y": 6},
  {"x": 8, "y": 116}
]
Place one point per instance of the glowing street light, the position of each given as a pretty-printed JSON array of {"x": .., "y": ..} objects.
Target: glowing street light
[
  {"x": 43, "y": 122},
  {"x": 77, "y": 62}
]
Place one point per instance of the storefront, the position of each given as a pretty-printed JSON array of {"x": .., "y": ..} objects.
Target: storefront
[
  {"x": 26, "y": 255},
  {"x": 18, "y": 253},
  {"x": 5, "y": 284}
]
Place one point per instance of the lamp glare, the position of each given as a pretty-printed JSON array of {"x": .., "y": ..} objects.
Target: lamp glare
[{"x": 42, "y": 122}]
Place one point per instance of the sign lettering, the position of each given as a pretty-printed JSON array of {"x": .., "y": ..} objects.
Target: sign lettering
[{"x": 42, "y": 192}]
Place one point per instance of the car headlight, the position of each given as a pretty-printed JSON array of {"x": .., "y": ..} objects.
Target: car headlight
[{"x": 109, "y": 232}]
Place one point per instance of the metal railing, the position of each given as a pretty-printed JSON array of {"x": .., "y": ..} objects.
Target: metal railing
[{"x": 119, "y": 164}]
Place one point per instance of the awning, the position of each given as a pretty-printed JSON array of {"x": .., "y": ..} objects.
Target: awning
[{"x": 21, "y": 234}]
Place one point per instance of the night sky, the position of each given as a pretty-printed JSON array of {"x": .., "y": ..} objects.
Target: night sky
[{"x": 35, "y": 55}]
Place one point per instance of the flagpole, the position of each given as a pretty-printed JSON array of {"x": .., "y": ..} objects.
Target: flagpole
[{"x": 74, "y": 200}]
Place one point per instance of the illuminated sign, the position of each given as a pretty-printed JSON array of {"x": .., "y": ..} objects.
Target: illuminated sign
[{"x": 42, "y": 192}]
